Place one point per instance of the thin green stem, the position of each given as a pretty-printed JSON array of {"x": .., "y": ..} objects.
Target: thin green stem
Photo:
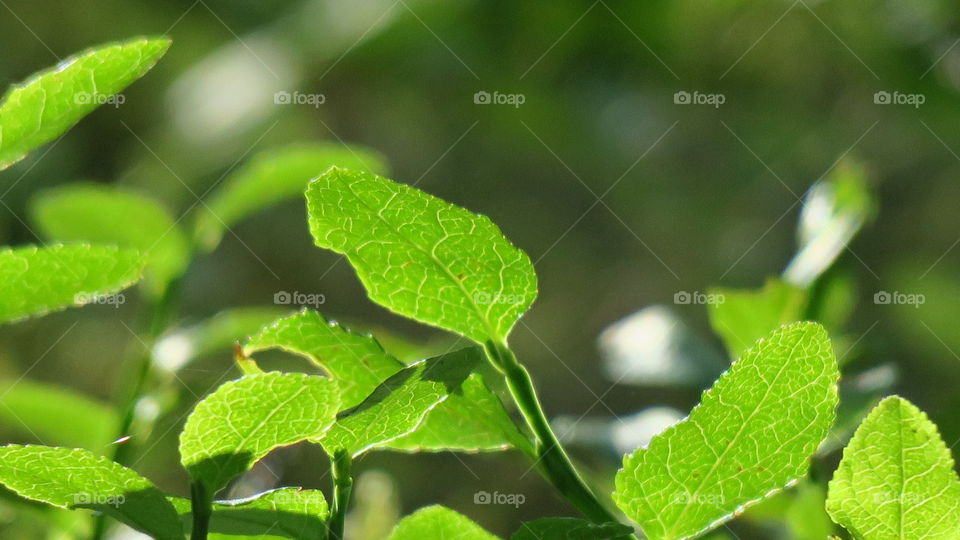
[
  {"x": 552, "y": 460},
  {"x": 201, "y": 505},
  {"x": 342, "y": 486}
]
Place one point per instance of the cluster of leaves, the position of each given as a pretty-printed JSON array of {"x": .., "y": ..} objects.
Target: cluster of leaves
[{"x": 752, "y": 434}]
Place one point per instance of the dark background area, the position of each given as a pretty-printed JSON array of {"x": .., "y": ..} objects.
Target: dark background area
[{"x": 693, "y": 196}]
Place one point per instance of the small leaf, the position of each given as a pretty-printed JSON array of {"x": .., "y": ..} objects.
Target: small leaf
[
  {"x": 243, "y": 420},
  {"x": 57, "y": 415},
  {"x": 357, "y": 362},
  {"x": 896, "y": 479},
  {"x": 51, "y": 102},
  {"x": 752, "y": 434},
  {"x": 571, "y": 529},
  {"x": 285, "y": 512},
  {"x": 438, "y": 523},
  {"x": 472, "y": 420},
  {"x": 72, "y": 479},
  {"x": 421, "y": 256},
  {"x": 274, "y": 176},
  {"x": 118, "y": 216},
  {"x": 36, "y": 281},
  {"x": 398, "y": 406},
  {"x": 744, "y": 316}
]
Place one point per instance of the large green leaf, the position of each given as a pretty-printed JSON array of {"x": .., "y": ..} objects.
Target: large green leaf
[
  {"x": 896, "y": 479},
  {"x": 119, "y": 216},
  {"x": 421, "y": 256},
  {"x": 70, "y": 478},
  {"x": 399, "y": 405},
  {"x": 274, "y": 176},
  {"x": 286, "y": 513},
  {"x": 571, "y": 529},
  {"x": 51, "y": 102},
  {"x": 744, "y": 316},
  {"x": 752, "y": 434},
  {"x": 243, "y": 420},
  {"x": 438, "y": 523},
  {"x": 35, "y": 281},
  {"x": 357, "y": 362},
  {"x": 57, "y": 415}
]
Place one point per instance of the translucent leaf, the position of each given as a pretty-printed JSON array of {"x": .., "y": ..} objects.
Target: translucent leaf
[
  {"x": 421, "y": 256},
  {"x": 57, "y": 415},
  {"x": 399, "y": 405},
  {"x": 896, "y": 479},
  {"x": 357, "y": 362},
  {"x": 285, "y": 513},
  {"x": 112, "y": 215},
  {"x": 745, "y": 316},
  {"x": 51, "y": 102},
  {"x": 438, "y": 523},
  {"x": 35, "y": 281},
  {"x": 833, "y": 211},
  {"x": 70, "y": 478},
  {"x": 274, "y": 176},
  {"x": 752, "y": 434},
  {"x": 243, "y": 420},
  {"x": 571, "y": 529}
]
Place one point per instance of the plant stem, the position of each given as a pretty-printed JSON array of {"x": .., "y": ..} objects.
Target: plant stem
[
  {"x": 342, "y": 486},
  {"x": 201, "y": 504},
  {"x": 552, "y": 460}
]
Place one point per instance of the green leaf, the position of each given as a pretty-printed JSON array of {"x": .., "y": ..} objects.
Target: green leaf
[
  {"x": 119, "y": 216},
  {"x": 36, "y": 281},
  {"x": 571, "y": 529},
  {"x": 398, "y": 406},
  {"x": 285, "y": 512},
  {"x": 472, "y": 420},
  {"x": 744, "y": 316},
  {"x": 752, "y": 434},
  {"x": 70, "y": 478},
  {"x": 438, "y": 523},
  {"x": 806, "y": 518},
  {"x": 273, "y": 176},
  {"x": 243, "y": 420},
  {"x": 896, "y": 479},
  {"x": 421, "y": 256},
  {"x": 51, "y": 102},
  {"x": 57, "y": 415},
  {"x": 357, "y": 362}
]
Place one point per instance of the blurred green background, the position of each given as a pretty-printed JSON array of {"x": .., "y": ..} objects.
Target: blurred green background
[{"x": 622, "y": 196}]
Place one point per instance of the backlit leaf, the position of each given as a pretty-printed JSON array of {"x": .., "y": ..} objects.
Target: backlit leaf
[
  {"x": 243, "y": 420},
  {"x": 285, "y": 513},
  {"x": 438, "y": 523},
  {"x": 51, "y": 102},
  {"x": 421, "y": 256},
  {"x": 896, "y": 479},
  {"x": 752, "y": 434}
]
